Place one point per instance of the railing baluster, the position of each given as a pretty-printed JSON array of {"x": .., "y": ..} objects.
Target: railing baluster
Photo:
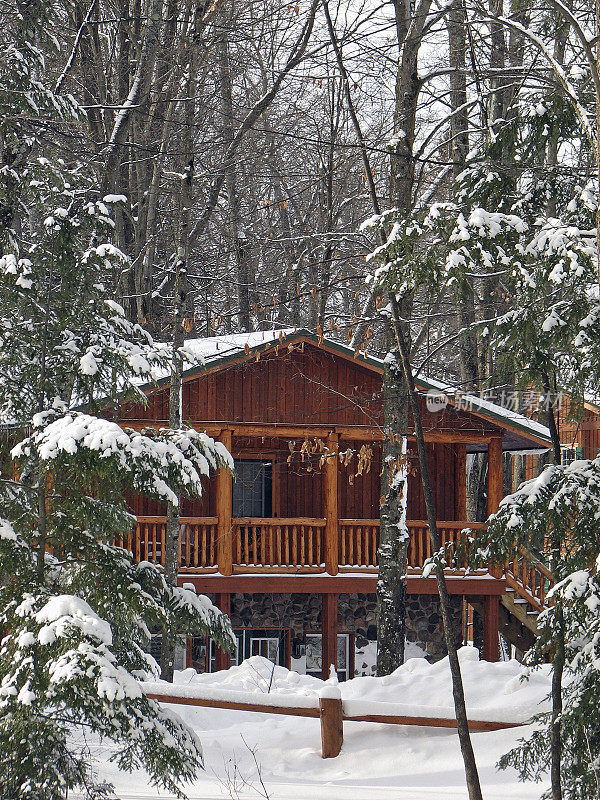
[
  {"x": 278, "y": 545},
  {"x": 237, "y": 542},
  {"x": 294, "y": 546},
  {"x": 319, "y": 544},
  {"x": 146, "y": 542},
  {"x": 263, "y": 544}
]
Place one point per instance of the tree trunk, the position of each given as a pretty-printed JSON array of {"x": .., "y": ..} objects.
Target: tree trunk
[
  {"x": 462, "y": 725},
  {"x": 393, "y": 531},
  {"x": 167, "y": 650},
  {"x": 459, "y": 148},
  {"x": 391, "y": 589},
  {"x": 558, "y": 653},
  {"x": 180, "y": 303},
  {"x": 237, "y": 234}
]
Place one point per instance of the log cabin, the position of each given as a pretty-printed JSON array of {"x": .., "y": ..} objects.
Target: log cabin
[
  {"x": 288, "y": 545},
  {"x": 578, "y": 430}
]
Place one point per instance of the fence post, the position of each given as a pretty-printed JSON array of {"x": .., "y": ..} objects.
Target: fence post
[{"x": 332, "y": 725}]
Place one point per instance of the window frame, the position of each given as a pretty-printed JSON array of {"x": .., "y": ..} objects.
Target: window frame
[{"x": 264, "y": 461}]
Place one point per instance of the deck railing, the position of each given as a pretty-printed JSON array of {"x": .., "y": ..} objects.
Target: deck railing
[
  {"x": 279, "y": 542},
  {"x": 358, "y": 541},
  {"x": 197, "y": 541},
  {"x": 293, "y": 544},
  {"x": 529, "y": 578}
]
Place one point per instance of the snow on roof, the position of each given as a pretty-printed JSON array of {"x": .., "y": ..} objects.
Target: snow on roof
[
  {"x": 476, "y": 404},
  {"x": 217, "y": 347},
  {"x": 204, "y": 352}
]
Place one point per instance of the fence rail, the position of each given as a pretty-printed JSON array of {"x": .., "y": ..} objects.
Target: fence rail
[{"x": 331, "y": 713}]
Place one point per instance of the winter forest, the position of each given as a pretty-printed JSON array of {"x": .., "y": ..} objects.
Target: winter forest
[{"x": 377, "y": 574}]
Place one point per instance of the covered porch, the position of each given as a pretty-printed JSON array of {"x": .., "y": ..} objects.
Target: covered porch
[{"x": 322, "y": 485}]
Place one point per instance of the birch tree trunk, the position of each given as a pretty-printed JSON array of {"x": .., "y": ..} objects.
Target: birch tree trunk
[
  {"x": 391, "y": 586},
  {"x": 393, "y": 530}
]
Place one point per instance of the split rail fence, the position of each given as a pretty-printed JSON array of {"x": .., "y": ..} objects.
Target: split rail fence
[{"x": 331, "y": 713}]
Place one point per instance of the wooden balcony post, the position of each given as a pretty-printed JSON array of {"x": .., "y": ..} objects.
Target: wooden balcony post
[
  {"x": 490, "y": 627},
  {"x": 330, "y": 492},
  {"x": 224, "y": 527},
  {"x": 222, "y": 657},
  {"x": 460, "y": 480},
  {"x": 495, "y": 489},
  {"x": 329, "y": 628}
]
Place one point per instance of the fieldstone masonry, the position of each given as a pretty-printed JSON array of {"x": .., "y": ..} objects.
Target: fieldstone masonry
[{"x": 357, "y": 613}]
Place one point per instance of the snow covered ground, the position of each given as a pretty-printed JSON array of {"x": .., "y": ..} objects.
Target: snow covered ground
[{"x": 377, "y": 761}]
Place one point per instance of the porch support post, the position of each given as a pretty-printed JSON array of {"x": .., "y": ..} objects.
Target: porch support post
[
  {"x": 460, "y": 480},
  {"x": 491, "y": 604},
  {"x": 329, "y": 613},
  {"x": 495, "y": 484},
  {"x": 330, "y": 487},
  {"x": 224, "y": 530},
  {"x": 222, "y": 657}
]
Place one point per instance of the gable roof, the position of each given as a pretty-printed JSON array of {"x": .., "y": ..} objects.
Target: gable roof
[{"x": 521, "y": 433}]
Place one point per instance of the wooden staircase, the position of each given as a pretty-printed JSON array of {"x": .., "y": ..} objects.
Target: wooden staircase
[{"x": 528, "y": 582}]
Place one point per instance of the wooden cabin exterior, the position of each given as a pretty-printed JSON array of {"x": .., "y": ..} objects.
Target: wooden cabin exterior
[
  {"x": 579, "y": 438},
  {"x": 579, "y": 435},
  {"x": 288, "y": 546}
]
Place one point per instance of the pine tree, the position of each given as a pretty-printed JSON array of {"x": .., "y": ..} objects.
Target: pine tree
[
  {"x": 76, "y": 610},
  {"x": 564, "y": 501}
]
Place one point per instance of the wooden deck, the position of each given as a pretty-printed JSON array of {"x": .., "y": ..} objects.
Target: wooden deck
[{"x": 296, "y": 547}]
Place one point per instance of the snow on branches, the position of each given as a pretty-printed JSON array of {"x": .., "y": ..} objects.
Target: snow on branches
[
  {"x": 162, "y": 463},
  {"x": 557, "y": 516},
  {"x": 64, "y": 673}
]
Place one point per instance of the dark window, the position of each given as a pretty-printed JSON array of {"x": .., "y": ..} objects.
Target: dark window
[
  {"x": 570, "y": 453},
  {"x": 314, "y": 657},
  {"x": 269, "y": 643},
  {"x": 252, "y": 489}
]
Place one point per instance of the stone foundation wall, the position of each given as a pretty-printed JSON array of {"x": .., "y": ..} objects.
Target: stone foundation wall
[{"x": 357, "y": 613}]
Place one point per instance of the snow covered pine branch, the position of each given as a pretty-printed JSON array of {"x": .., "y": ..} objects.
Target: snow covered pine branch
[{"x": 79, "y": 628}]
